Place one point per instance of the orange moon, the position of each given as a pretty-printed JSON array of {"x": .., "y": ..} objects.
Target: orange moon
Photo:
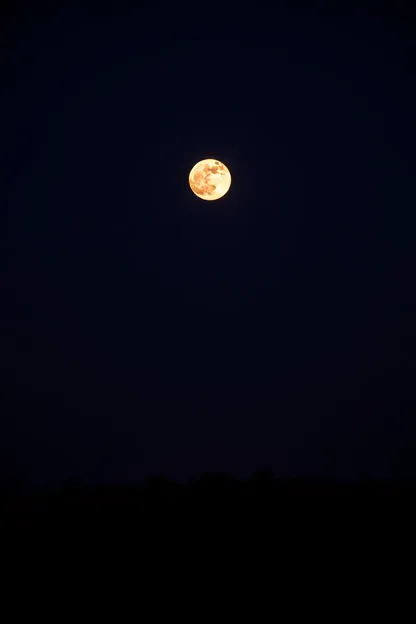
[{"x": 209, "y": 179}]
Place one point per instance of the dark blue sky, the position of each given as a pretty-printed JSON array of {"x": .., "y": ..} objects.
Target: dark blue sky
[{"x": 145, "y": 330}]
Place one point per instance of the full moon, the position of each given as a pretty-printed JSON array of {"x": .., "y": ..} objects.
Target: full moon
[{"x": 209, "y": 179}]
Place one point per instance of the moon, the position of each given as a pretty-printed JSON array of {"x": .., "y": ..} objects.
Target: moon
[{"x": 209, "y": 179}]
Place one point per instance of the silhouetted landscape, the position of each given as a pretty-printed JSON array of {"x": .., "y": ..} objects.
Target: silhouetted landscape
[{"x": 220, "y": 492}]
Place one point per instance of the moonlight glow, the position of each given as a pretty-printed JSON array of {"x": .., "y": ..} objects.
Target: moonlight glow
[{"x": 209, "y": 179}]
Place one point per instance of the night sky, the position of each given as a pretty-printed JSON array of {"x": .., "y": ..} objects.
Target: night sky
[{"x": 147, "y": 331}]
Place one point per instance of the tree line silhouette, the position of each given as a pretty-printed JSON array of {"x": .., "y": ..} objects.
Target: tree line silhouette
[{"x": 159, "y": 494}]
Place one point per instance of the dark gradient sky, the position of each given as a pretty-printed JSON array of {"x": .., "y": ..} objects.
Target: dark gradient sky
[{"x": 145, "y": 330}]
